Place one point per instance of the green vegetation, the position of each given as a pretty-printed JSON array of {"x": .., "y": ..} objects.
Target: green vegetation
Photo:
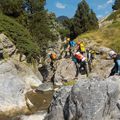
[
  {"x": 69, "y": 83},
  {"x": 63, "y": 32},
  {"x": 18, "y": 14},
  {"x": 108, "y": 36},
  {"x": 19, "y": 35},
  {"x": 116, "y": 5},
  {"x": 84, "y": 20},
  {"x": 38, "y": 24},
  {"x": 11, "y": 7},
  {"x": 114, "y": 15}
]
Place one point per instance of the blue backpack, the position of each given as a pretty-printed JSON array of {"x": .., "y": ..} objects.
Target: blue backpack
[{"x": 72, "y": 43}]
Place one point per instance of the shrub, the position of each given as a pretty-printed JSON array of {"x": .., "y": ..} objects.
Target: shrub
[{"x": 19, "y": 36}]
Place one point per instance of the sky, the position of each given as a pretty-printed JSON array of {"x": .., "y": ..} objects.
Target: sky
[{"x": 68, "y": 7}]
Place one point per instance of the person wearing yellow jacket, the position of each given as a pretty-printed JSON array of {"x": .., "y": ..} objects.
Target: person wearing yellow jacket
[{"x": 81, "y": 47}]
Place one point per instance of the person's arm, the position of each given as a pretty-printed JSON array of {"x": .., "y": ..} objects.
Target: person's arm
[{"x": 68, "y": 48}]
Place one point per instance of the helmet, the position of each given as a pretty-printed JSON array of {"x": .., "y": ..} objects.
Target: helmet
[
  {"x": 111, "y": 53},
  {"x": 68, "y": 39}
]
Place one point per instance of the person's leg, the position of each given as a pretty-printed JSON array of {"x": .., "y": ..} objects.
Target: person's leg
[
  {"x": 113, "y": 70},
  {"x": 89, "y": 65},
  {"x": 118, "y": 62},
  {"x": 70, "y": 52},
  {"x": 1, "y": 56},
  {"x": 85, "y": 68},
  {"x": 77, "y": 69},
  {"x": 51, "y": 64}
]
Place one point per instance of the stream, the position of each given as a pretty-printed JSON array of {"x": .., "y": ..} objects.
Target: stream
[{"x": 40, "y": 102}]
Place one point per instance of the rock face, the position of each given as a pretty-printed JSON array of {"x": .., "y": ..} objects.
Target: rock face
[
  {"x": 56, "y": 108},
  {"x": 88, "y": 100},
  {"x": 103, "y": 50},
  {"x": 12, "y": 89},
  {"x": 15, "y": 80},
  {"x": 101, "y": 68},
  {"x": 7, "y": 48},
  {"x": 66, "y": 70}
]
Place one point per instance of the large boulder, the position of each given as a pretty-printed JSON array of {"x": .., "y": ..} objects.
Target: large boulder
[
  {"x": 15, "y": 80},
  {"x": 7, "y": 48},
  {"x": 58, "y": 102},
  {"x": 88, "y": 100},
  {"x": 101, "y": 68},
  {"x": 65, "y": 71}
]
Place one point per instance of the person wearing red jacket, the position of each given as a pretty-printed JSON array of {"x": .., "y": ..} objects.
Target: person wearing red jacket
[{"x": 80, "y": 60}]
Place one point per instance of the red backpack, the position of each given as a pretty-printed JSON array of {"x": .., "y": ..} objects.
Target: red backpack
[{"x": 79, "y": 56}]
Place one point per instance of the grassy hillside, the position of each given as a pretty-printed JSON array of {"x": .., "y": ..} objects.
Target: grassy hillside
[
  {"x": 19, "y": 36},
  {"x": 108, "y": 36},
  {"x": 114, "y": 15}
]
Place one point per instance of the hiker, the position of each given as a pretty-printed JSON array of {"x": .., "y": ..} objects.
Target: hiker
[
  {"x": 53, "y": 57},
  {"x": 78, "y": 46},
  {"x": 90, "y": 57},
  {"x": 71, "y": 47},
  {"x": 116, "y": 69},
  {"x": 81, "y": 47},
  {"x": 1, "y": 55},
  {"x": 80, "y": 60},
  {"x": 65, "y": 48}
]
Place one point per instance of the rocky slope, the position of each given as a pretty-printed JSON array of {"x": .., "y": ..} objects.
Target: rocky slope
[
  {"x": 108, "y": 34},
  {"x": 16, "y": 79}
]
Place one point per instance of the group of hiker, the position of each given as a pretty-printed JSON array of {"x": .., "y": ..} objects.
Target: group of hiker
[
  {"x": 79, "y": 55},
  {"x": 83, "y": 57}
]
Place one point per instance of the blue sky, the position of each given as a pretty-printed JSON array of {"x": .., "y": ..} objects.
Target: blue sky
[{"x": 68, "y": 7}]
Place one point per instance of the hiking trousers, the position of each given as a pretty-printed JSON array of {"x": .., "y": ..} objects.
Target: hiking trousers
[
  {"x": 115, "y": 69},
  {"x": 118, "y": 62}
]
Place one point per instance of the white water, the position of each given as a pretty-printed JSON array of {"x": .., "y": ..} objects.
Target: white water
[{"x": 38, "y": 116}]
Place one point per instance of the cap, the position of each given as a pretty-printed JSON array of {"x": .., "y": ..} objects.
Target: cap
[{"x": 111, "y": 53}]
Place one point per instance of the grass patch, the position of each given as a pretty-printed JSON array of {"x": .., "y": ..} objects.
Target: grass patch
[
  {"x": 107, "y": 36},
  {"x": 69, "y": 83},
  {"x": 114, "y": 15}
]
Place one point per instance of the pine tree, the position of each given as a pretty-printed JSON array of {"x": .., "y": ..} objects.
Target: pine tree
[
  {"x": 93, "y": 21},
  {"x": 116, "y": 5},
  {"x": 38, "y": 24},
  {"x": 11, "y": 7},
  {"x": 84, "y": 18}
]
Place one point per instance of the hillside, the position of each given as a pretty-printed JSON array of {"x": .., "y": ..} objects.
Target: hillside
[
  {"x": 108, "y": 35},
  {"x": 19, "y": 35}
]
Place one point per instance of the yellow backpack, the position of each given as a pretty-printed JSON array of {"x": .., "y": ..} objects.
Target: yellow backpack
[{"x": 82, "y": 47}]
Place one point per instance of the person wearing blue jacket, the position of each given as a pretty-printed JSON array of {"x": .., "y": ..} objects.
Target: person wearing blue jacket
[{"x": 116, "y": 69}]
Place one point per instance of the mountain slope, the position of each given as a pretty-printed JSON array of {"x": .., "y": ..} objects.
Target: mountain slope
[
  {"x": 19, "y": 35},
  {"x": 107, "y": 35},
  {"x": 62, "y": 18}
]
